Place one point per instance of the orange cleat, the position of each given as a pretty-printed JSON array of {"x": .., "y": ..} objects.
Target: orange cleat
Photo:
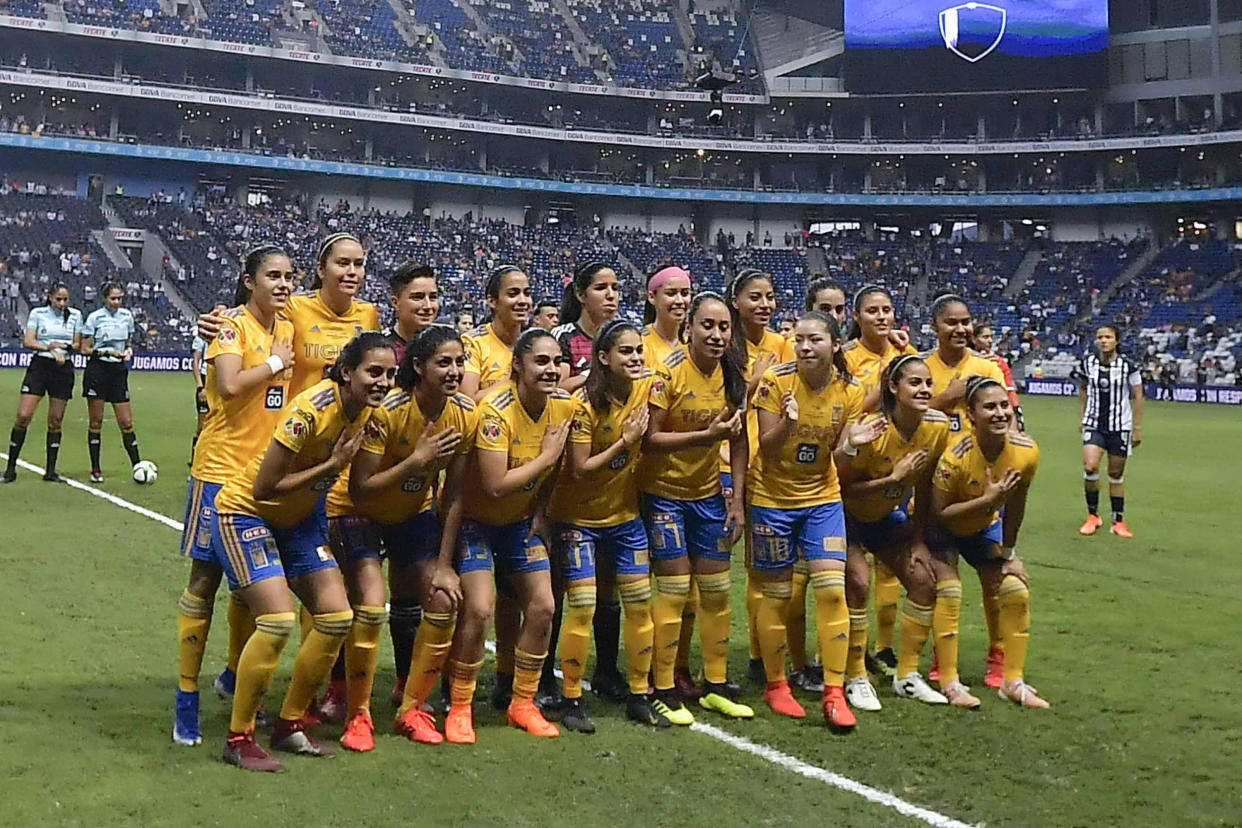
[
  {"x": 525, "y": 716},
  {"x": 934, "y": 673},
  {"x": 837, "y": 711},
  {"x": 995, "y": 675},
  {"x": 1090, "y": 526},
  {"x": 959, "y": 695},
  {"x": 359, "y": 735},
  {"x": 1121, "y": 530},
  {"x": 1022, "y": 694},
  {"x": 780, "y": 698},
  {"x": 418, "y": 726},
  {"x": 459, "y": 725}
]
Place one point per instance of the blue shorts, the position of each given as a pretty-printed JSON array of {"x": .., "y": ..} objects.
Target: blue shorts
[
  {"x": 626, "y": 544},
  {"x": 414, "y": 539},
  {"x": 978, "y": 549},
  {"x": 251, "y": 551},
  {"x": 504, "y": 550},
  {"x": 877, "y": 535},
  {"x": 354, "y": 538},
  {"x": 200, "y": 502},
  {"x": 781, "y": 536},
  {"x": 677, "y": 528}
]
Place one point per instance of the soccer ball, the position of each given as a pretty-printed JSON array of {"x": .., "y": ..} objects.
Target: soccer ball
[{"x": 145, "y": 472}]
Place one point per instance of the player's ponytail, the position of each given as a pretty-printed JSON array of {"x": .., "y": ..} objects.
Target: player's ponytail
[
  {"x": 354, "y": 352},
  {"x": 107, "y": 288},
  {"x": 325, "y": 251},
  {"x": 56, "y": 288},
  {"x": 599, "y": 378},
  {"x": 740, "y": 281},
  {"x": 892, "y": 376},
  {"x": 423, "y": 347},
  {"x": 841, "y": 368}
]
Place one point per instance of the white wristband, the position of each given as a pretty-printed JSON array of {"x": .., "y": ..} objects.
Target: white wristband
[
  {"x": 276, "y": 364},
  {"x": 849, "y": 448},
  {"x": 1009, "y": 552}
]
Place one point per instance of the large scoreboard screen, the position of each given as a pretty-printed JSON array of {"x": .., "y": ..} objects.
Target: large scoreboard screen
[{"x": 894, "y": 46}]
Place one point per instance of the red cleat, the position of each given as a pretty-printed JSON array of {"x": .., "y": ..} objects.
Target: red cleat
[
  {"x": 525, "y": 716},
  {"x": 242, "y": 750},
  {"x": 1090, "y": 526},
  {"x": 1121, "y": 530},
  {"x": 837, "y": 711},
  {"x": 459, "y": 725},
  {"x": 332, "y": 708},
  {"x": 418, "y": 726},
  {"x": 359, "y": 735},
  {"x": 683, "y": 682},
  {"x": 780, "y": 698},
  {"x": 934, "y": 673},
  {"x": 292, "y": 737},
  {"x": 995, "y": 675}
]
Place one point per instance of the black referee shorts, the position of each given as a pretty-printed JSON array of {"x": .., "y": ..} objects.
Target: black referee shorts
[
  {"x": 44, "y": 376},
  {"x": 107, "y": 381}
]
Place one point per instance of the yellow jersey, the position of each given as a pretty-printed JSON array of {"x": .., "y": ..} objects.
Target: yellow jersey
[
  {"x": 803, "y": 474},
  {"x": 488, "y": 356},
  {"x": 962, "y": 472},
  {"x": 320, "y": 333},
  {"x": 610, "y": 497},
  {"x": 656, "y": 348},
  {"x": 238, "y": 429},
  {"x": 310, "y": 428},
  {"x": 396, "y": 426},
  {"x": 973, "y": 364},
  {"x": 692, "y": 399},
  {"x": 866, "y": 365},
  {"x": 505, "y": 426},
  {"x": 778, "y": 346},
  {"x": 876, "y": 459}
]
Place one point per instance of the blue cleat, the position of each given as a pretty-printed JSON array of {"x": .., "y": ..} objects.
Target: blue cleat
[
  {"x": 185, "y": 728},
  {"x": 225, "y": 684}
]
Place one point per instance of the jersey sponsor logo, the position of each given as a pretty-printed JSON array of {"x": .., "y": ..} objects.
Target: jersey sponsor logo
[
  {"x": 274, "y": 400},
  {"x": 807, "y": 453},
  {"x": 619, "y": 461},
  {"x": 324, "y": 483},
  {"x": 228, "y": 335},
  {"x": 413, "y": 485}
]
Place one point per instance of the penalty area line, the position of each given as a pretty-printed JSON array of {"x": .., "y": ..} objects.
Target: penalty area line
[{"x": 769, "y": 754}]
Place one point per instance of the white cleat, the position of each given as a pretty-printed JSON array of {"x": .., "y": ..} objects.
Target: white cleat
[
  {"x": 914, "y": 686},
  {"x": 861, "y": 695}
]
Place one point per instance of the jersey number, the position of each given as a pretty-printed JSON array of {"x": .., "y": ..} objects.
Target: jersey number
[
  {"x": 275, "y": 399},
  {"x": 808, "y": 453}
]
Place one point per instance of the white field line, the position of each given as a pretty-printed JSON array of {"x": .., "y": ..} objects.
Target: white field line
[{"x": 768, "y": 754}]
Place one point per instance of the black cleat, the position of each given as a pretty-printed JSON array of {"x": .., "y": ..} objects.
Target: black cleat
[
  {"x": 9, "y": 476},
  {"x": 53, "y": 477},
  {"x": 639, "y": 709},
  {"x": 884, "y": 662},
  {"x": 502, "y": 691},
  {"x": 610, "y": 685},
  {"x": 755, "y": 671},
  {"x": 574, "y": 716},
  {"x": 548, "y": 697},
  {"x": 805, "y": 681}
]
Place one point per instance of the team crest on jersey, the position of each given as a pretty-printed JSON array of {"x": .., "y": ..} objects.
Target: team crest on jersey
[
  {"x": 658, "y": 386},
  {"x": 228, "y": 335},
  {"x": 576, "y": 426},
  {"x": 764, "y": 392},
  {"x": 491, "y": 430},
  {"x": 944, "y": 474},
  {"x": 838, "y": 414},
  {"x": 295, "y": 427}
]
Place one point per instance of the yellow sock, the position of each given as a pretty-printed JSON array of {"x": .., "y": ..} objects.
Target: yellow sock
[
  {"x": 257, "y": 666},
  {"x": 754, "y": 594},
  {"x": 526, "y": 670},
  {"x": 670, "y": 600},
  {"x": 686, "y": 637},
  {"x": 715, "y": 619},
  {"x": 887, "y": 593},
  {"x": 432, "y": 643},
  {"x": 1013, "y": 602},
  {"x": 193, "y": 623},
  {"x": 315, "y": 659},
  {"x": 856, "y": 659},
  {"x": 462, "y": 680},
  {"x": 636, "y": 599},
  {"x": 772, "y": 632},
  {"x": 795, "y": 619},
  {"x": 991, "y": 614},
  {"x": 241, "y": 626},
  {"x": 832, "y": 622},
  {"x": 361, "y": 655},
  {"x": 306, "y": 620},
  {"x": 916, "y": 622},
  {"x": 576, "y": 637},
  {"x": 946, "y": 619}
]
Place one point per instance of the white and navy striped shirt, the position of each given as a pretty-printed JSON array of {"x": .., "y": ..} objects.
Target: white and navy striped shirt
[{"x": 1108, "y": 392}]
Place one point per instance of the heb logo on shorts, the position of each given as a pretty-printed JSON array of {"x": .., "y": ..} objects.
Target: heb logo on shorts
[
  {"x": 571, "y": 535},
  {"x": 763, "y": 531},
  {"x": 254, "y": 533}
]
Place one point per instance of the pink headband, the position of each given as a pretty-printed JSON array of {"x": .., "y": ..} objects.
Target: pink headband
[{"x": 664, "y": 275}]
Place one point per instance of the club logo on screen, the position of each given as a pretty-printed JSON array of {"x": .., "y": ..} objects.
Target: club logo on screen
[{"x": 973, "y": 30}]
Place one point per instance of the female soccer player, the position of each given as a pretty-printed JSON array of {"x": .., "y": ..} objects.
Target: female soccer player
[
  {"x": 423, "y": 428},
  {"x": 522, "y": 429},
  {"x": 591, "y": 301},
  {"x": 795, "y": 509},
  {"x": 489, "y": 348},
  {"x": 1110, "y": 409},
  {"x": 984, "y": 341},
  {"x": 249, "y": 366},
  {"x": 979, "y": 502},
  {"x": 828, "y": 296},
  {"x": 54, "y": 333},
  {"x": 270, "y": 535},
  {"x": 878, "y": 481},
  {"x": 600, "y": 534},
  {"x": 106, "y": 336},
  {"x": 697, "y": 400},
  {"x": 198, "y": 367}
]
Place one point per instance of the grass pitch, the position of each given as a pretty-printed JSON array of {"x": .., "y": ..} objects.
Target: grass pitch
[{"x": 1133, "y": 643}]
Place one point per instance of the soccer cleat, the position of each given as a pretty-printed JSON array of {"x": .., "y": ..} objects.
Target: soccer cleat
[
  {"x": 502, "y": 691},
  {"x": 225, "y": 684},
  {"x": 574, "y": 716},
  {"x": 242, "y": 750},
  {"x": 96, "y": 476},
  {"x": 959, "y": 695},
  {"x": 9, "y": 476},
  {"x": 1090, "y": 526},
  {"x": 995, "y": 675},
  {"x": 641, "y": 709},
  {"x": 683, "y": 682},
  {"x": 332, "y": 707},
  {"x": 780, "y": 698},
  {"x": 418, "y": 725},
  {"x": 398, "y": 692},
  {"x": 359, "y": 735},
  {"x": 459, "y": 725},
  {"x": 291, "y": 737},
  {"x": 861, "y": 695},
  {"x": 806, "y": 681},
  {"x": 185, "y": 725},
  {"x": 755, "y": 671},
  {"x": 525, "y": 716},
  {"x": 1022, "y": 694},
  {"x": 934, "y": 673},
  {"x": 914, "y": 687},
  {"x": 610, "y": 685},
  {"x": 884, "y": 662},
  {"x": 311, "y": 717},
  {"x": 666, "y": 703},
  {"x": 837, "y": 713},
  {"x": 53, "y": 477},
  {"x": 1120, "y": 529},
  {"x": 720, "y": 697},
  {"x": 548, "y": 698}
]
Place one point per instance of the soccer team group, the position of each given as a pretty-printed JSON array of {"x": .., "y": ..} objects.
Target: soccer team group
[{"x": 589, "y": 481}]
